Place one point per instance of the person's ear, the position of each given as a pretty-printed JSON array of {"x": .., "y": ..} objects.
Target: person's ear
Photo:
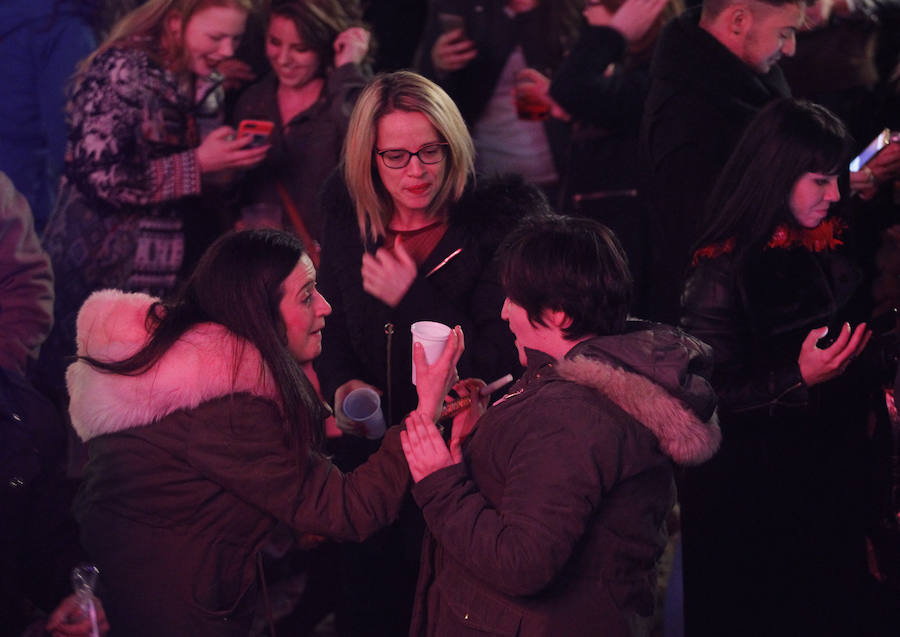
[
  {"x": 739, "y": 18},
  {"x": 557, "y": 319}
]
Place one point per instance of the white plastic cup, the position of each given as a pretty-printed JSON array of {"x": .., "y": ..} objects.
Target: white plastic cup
[
  {"x": 433, "y": 336},
  {"x": 363, "y": 405}
]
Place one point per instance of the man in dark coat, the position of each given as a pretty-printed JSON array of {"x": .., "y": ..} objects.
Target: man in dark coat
[{"x": 714, "y": 68}]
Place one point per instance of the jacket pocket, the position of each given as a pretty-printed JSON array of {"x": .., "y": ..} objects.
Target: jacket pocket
[
  {"x": 223, "y": 581},
  {"x": 475, "y": 608}
]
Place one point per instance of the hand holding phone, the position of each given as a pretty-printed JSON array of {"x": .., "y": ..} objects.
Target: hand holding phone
[
  {"x": 451, "y": 22},
  {"x": 883, "y": 138},
  {"x": 259, "y": 129}
]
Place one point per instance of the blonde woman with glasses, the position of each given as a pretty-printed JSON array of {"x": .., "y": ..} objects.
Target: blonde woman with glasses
[{"x": 409, "y": 236}]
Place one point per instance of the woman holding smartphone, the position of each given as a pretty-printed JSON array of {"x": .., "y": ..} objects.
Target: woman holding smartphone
[
  {"x": 773, "y": 525},
  {"x": 137, "y": 165},
  {"x": 317, "y": 50}
]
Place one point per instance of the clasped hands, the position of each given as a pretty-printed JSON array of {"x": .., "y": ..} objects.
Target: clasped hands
[{"x": 423, "y": 445}]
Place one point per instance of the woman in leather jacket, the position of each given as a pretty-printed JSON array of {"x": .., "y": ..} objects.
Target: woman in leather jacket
[{"x": 773, "y": 524}]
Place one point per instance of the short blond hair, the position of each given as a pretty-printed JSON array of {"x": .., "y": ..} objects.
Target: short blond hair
[{"x": 410, "y": 92}]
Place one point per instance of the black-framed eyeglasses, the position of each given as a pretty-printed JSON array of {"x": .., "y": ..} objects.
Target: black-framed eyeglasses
[{"x": 399, "y": 157}]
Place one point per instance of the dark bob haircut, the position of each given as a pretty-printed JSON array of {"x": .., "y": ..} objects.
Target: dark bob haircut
[
  {"x": 568, "y": 264},
  {"x": 787, "y": 139}
]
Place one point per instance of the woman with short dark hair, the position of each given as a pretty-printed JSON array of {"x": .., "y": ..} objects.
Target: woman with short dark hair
[
  {"x": 546, "y": 515},
  {"x": 773, "y": 525}
]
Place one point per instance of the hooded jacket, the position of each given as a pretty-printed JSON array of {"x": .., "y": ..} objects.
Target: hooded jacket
[
  {"x": 189, "y": 472},
  {"x": 554, "y": 521}
]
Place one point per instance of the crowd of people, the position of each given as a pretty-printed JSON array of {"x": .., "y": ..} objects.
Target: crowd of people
[{"x": 221, "y": 218}]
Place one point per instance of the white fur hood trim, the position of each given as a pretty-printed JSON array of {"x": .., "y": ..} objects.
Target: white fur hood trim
[
  {"x": 681, "y": 434},
  {"x": 208, "y": 362}
]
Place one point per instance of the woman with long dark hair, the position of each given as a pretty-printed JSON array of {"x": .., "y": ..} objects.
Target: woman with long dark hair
[
  {"x": 204, "y": 432},
  {"x": 773, "y": 524}
]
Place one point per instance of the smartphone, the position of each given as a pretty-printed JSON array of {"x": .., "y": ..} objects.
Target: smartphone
[
  {"x": 879, "y": 324},
  {"x": 259, "y": 129},
  {"x": 884, "y": 322},
  {"x": 883, "y": 138},
  {"x": 451, "y": 22}
]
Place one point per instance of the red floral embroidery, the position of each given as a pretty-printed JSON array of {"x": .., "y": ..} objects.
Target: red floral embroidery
[
  {"x": 825, "y": 236},
  {"x": 713, "y": 251}
]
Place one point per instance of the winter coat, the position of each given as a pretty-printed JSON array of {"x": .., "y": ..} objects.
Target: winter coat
[
  {"x": 555, "y": 520},
  {"x": 701, "y": 98},
  {"x": 304, "y": 150},
  {"x": 465, "y": 290},
  {"x": 189, "y": 472},
  {"x": 41, "y": 43},
  {"x": 774, "y": 524},
  {"x": 26, "y": 283},
  {"x": 132, "y": 181}
]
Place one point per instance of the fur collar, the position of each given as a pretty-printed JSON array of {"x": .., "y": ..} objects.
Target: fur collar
[
  {"x": 208, "y": 362},
  {"x": 682, "y": 435}
]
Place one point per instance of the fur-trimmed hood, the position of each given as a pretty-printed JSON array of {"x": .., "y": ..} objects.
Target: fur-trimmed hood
[
  {"x": 658, "y": 375},
  {"x": 207, "y": 362}
]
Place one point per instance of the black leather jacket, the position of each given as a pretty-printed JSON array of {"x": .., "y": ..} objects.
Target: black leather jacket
[{"x": 756, "y": 317}]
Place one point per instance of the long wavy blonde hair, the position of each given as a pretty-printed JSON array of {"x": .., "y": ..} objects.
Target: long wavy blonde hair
[{"x": 146, "y": 28}]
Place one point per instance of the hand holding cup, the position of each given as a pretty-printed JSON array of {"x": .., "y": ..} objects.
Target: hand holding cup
[
  {"x": 363, "y": 405},
  {"x": 434, "y": 380}
]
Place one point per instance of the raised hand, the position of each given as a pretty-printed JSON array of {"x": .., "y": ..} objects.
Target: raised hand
[
  {"x": 633, "y": 19},
  {"x": 388, "y": 274},
  {"x": 535, "y": 86},
  {"x": 434, "y": 381},
  {"x": 351, "y": 46},
  {"x": 452, "y": 51}
]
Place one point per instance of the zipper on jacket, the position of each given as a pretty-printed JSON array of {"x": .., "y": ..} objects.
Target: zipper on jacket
[{"x": 389, "y": 333}]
